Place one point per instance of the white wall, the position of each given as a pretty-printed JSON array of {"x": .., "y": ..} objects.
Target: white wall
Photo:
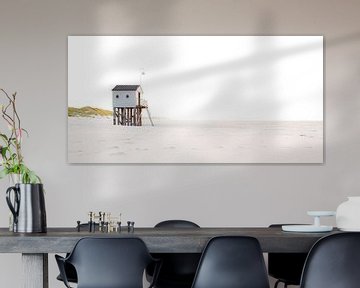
[{"x": 33, "y": 61}]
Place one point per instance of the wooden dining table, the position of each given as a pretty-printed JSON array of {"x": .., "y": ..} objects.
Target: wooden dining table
[{"x": 35, "y": 247}]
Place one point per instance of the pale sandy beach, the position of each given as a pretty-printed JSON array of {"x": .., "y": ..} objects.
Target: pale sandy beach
[{"x": 96, "y": 140}]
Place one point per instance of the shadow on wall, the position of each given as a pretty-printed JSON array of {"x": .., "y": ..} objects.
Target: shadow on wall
[{"x": 133, "y": 16}]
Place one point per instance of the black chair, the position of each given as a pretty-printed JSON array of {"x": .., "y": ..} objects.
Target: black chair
[
  {"x": 69, "y": 269},
  {"x": 333, "y": 262},
  {"x": 176, "y": 224},
  {"x": 286, "y": 267},
  {"x": 108, "y": 263},
  {"x": 178, "y": 269},
  {"x": 232, "y": 262}
]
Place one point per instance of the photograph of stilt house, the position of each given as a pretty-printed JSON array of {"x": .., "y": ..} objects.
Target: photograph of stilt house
[
  {"x": 214, "y": 99},
  {"x": 128, "y": 105}
]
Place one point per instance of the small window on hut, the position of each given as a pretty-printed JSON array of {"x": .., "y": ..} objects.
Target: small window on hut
[
  {"x": 117, "y": 96},
  {"x": 127, "y": 96}
]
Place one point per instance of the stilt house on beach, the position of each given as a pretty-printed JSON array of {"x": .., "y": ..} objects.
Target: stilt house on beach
[{"x": 128, "y": 104}]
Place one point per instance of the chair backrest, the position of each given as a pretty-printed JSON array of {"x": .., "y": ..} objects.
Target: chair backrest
[
  {"x": 232, "y": 262},
  {"x": 110, "y": 262},
  {"x": 333, "y": 262},
  {"x": 178, "y": 269},
  {"x": 176, "y": 224}
]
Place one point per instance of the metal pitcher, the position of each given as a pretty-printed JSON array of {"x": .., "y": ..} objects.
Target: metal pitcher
[{"x": 28, "y": 207}]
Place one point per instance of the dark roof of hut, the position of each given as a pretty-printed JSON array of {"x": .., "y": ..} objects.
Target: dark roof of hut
[{"x": 125, "y": 87}]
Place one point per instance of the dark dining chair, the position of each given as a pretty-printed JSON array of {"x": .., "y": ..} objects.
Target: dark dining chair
[
  {"x": 232, "y": 262},
  {"x": 108, "y": 263},
  {"x": 70, "y": 271},
  {"x": 286, "y": 267},
  {"x": 178, "y": 269},
  {"x": 333, "y": 262}
]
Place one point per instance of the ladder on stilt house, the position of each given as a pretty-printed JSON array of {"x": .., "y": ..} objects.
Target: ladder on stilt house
[{"x": 148, "y": 112}]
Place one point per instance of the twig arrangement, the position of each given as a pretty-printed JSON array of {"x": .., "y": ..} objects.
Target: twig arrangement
[{"x": 12, "y": 160}]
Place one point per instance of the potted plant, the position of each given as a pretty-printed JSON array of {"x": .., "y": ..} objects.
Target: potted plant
[{"x": 26, "y": 197}]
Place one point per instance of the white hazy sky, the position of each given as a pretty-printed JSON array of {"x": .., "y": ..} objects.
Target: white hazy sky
[{"x": 202, "y": 77}]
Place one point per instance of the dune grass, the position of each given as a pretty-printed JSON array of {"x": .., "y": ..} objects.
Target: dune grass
[{"x": 88, "y": 111}]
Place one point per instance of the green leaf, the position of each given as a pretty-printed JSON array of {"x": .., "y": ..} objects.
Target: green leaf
[
  {"x": 4, "y": 172},
  {"x": 26, "y": 132},
  {"x": 27, "y": 175},
  {"x": 4, "y": 137},
  {"x": 3, "y": 151},
  {"x": 33, "y": 178}
]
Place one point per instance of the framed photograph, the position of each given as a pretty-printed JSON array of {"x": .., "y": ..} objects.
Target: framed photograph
[{"x": 195, "y": 99}]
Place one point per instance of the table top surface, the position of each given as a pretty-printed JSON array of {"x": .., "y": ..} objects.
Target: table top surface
[{"x": 158, "y": 240}]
